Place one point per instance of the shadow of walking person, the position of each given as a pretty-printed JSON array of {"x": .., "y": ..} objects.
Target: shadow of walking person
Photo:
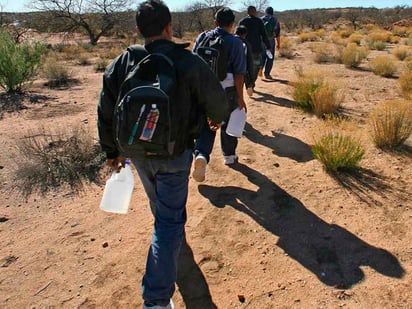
[
  {"x": 330, "y": 252},
  {"x": 282, "y": 145},
  {"x": 191, "y": 282}
]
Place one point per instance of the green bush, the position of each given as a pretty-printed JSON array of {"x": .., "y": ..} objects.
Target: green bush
[
  {"x": 336, "y": 144},
  {"x": 18, "y": 62}
]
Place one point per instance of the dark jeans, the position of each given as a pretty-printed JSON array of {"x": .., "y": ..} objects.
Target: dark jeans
[
  {"x": 267, "y": 63},
  {"x": 204, "y": 144},
  {"x": 257, "y": 59},
  {"x": 166, "y": 185}
]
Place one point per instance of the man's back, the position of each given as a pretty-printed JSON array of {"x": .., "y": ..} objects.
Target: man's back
[{"x": 255, "y": 32}]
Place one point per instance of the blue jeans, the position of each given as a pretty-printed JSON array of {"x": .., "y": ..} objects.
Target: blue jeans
[
  {"x": 166, "y": 185},
  {"x": 267, "y": 64}
]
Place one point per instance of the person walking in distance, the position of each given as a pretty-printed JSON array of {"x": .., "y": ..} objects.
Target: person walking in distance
[
  {"x": 235, "y": 70},
  {"x": 272, "y": 28},
  {"x": 197, "y": 94},
  {"x": 256, "y": 36},
  {"x": 241, "y": 32}
]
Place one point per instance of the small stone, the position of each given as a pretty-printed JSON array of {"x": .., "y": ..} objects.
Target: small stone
[
  {"x": 105, "y": 244},
  {"x": 241, "y": 298}
]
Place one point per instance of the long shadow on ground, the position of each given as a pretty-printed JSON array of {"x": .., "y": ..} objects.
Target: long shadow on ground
[
  {"x": 271, "y": 99},
  {"x": 192, "y": 284},
  {"x": 282, "y": 145},
  {"x": 330, "y": 252}
]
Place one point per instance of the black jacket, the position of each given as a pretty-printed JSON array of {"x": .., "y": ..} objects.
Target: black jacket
[
  {"x": 256, "y": 33},
  {"x": 199, "y": 92}
]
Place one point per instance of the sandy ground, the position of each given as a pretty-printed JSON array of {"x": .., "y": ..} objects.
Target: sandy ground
[{"x": 274, "y": 231}]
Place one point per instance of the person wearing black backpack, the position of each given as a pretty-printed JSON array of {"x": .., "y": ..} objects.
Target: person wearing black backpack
[
  {"x": 272, "y": 28},
  {"x": 194, "y": 95},
  {"x": 256, "y": 36},
  {"x": 234, "y": 69}
]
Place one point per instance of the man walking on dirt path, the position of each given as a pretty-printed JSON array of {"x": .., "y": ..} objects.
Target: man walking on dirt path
[
  {"x": 199, "y": 95},
  {"x": 272, "y": 28},
  {"x": 256, "y": 36},
  {"x": 233, "y": 85}
]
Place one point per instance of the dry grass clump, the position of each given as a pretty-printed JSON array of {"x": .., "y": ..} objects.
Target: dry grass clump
[
  {"x": 383, "y": 66},
  {"x": 100, "y": 65},
  {"x": 337, "y": 38},
  {"x": 336, "y": 145},
  {"x": 61, "y": 158},
  {"x": 377, "y": 39},
  {"x": 317, "y": 92},
  {"x": 325, "y": 53},
  {"x": 356, "y": 38},
  {"x": 310, "y": 36},
  {"x": 286, "y": 48},
  {"x": 402, "y": 52},
  {"x": 83, "y": 59},
  {"x": 405, "y": 81},
  {"x": 353, "y": 55},
  {"x": 403, "y": 32},
  {"x": 408, "y": 63},
  {"x": 56, "y": 73},
  {"x": 391, "y": 123}
]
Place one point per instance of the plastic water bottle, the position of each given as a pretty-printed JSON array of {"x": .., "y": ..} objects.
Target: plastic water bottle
[
  {"x": 118, "y": 191},
  {"x": 269, "y": 54},
  {"x": 236, "y": 122}
]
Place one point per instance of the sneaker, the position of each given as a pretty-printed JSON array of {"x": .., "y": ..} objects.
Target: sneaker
[
  {"x": 260, "y": 73},
  {"x": 249, "y": 91},
  {"x": 199, "y": 172},
  {"x": 229, "y": 160},
  {"x": 267, "y": 76},
  {"x": 168, "y": 306}
]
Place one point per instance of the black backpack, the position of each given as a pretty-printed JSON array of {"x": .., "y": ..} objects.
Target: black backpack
[
  {"x": 214, "y": 52},
  {"x": 143, "y": 114}
]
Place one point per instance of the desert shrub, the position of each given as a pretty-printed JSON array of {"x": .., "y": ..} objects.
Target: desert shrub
[
  {"x": 383, "y": 66},
  {"x": 56, "y": 73},
  {"x": 325, "y": 53},
  {"x": 402, "y": 52},
  {"x": 309, "y": 36},
  {"x": 337, "y": 39},
  {"x": 356, "y": 38},
  {"x": 405, "y": 81},
  {"x": 315, "y": 91},
  {"x": 71, "y": 52},
  {"x": 101, "y": 65},
  {"x": 379, "y": 35},
  {"x": 391, "y": 123},
  {"x": 408, "y": 63},
  {"x": 401, "y": 31},
  {"x": 407, "y": 42},
  {"x": 83, "y": 59},
  {"x": 395, "y": 39},
  {"x": 286, "y": 48},
  {"x": 57, "y": 159},
  {"x": 352, "y": 55},
  {"x": 377, "y": 45},
  {"x": 19, "y": 63},
  {"x": 335, "y": 147}
]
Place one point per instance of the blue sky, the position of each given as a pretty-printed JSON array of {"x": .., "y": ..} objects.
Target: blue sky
[{"x": 278, "y": 5}]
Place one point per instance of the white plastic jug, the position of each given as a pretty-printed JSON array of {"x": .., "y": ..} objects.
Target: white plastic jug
[
  {"x": 236, "y": 123},
  {"x": 118, "y": 191}
]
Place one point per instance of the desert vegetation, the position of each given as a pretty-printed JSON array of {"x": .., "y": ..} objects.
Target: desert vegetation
[{"x": 328, "y": 140}]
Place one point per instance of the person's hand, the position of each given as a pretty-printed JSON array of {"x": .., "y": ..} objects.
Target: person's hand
[
  {"x": 214, "y": 126},
  {"x": 242, "y": 105},
  {"x": 116, "y": 164}
]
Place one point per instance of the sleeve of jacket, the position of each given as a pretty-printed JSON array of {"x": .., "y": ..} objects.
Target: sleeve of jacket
[
  {"x": 112, "y": 79},
  {"x": 208, "y": 92},
  {"x": 263, "y": 34}
]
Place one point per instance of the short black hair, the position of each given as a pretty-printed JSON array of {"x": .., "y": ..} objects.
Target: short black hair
[
  {"x": 241, "y": 30},
  {"x": 251, "y": 9},
  {"x": 152, "y": 17},
  {"x": 269, "y": 10},
  {"x": 225, "y": 17}
]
